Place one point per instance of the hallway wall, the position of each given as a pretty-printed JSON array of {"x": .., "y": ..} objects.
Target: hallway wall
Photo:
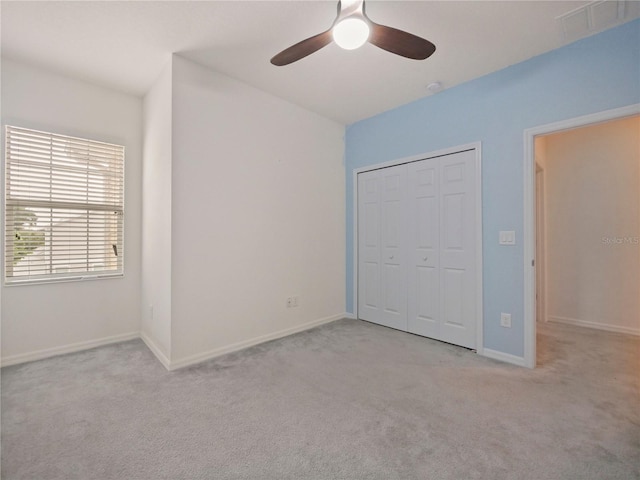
[{"x": 592, "y": 187}]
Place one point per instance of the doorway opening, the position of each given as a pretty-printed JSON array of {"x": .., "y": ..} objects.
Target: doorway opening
[{"x": 571, "y": 217}]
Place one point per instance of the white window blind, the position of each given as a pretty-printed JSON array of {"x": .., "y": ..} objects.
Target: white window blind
[{"x": 64, "y": 207}]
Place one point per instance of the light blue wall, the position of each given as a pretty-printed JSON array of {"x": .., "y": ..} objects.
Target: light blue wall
[{"x": 594, "y": 74}]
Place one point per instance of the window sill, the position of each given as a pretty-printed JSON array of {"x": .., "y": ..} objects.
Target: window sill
[{"x": 75, "y": 278}]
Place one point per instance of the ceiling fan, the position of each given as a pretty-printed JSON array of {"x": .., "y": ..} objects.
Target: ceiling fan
[{"x": 351, "y": 29}]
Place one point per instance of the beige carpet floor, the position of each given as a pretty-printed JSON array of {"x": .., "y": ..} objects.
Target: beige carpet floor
[{"x": 348, "y": 400}]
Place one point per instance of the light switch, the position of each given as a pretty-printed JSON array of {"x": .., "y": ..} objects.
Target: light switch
[{"x": 507, "y": 237}]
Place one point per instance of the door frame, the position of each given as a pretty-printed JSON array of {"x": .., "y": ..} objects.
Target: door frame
[
  {"x": 477, "y": 146},
  {"x": 541, "y": 241},
  {"x": 529, "y": 213}
]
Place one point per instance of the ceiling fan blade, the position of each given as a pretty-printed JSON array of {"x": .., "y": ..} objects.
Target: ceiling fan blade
[
  {"x": 302, "y": 49},
  {"x": 400, "y": 42}
]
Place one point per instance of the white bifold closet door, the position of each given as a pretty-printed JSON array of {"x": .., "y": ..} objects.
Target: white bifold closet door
[
  {"x": 382, "y": 200},
  {"x": 416, "y": 247}
]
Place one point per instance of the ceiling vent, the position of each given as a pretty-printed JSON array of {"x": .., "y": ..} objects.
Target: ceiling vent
[{"x": 591, "y": 18}]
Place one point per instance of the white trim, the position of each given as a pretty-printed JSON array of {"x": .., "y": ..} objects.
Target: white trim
[
  {"x": 479, "y": 263},
  {"x": 416, "y": 158},
  {"x": 155, "y": 350},
  {"x": 47, "y": 281},
  {"x": 71, "y": 348},
  {"x": 594, "y": 325},
  {"x": 529, "y": 212},
  {"x": 354, "y": 247},
  {"x": 477, "y": 146},
  {"x": 201, "y": 357},
  {"x": 504, "y": 357},
  {"x": 541, "y": 263}
]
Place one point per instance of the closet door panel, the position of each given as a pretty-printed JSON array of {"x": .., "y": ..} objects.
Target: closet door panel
[
  {"x": 382, "y": 292},
  {"x": 423, "y": 246},
  {"x": 369, "y": 269},
  {"x": 457, "y": 249},
  {"x": 393, "y": 261}
]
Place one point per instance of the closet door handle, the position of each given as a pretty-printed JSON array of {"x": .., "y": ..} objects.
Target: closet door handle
[
  {"x": 425, "y": 259},
  {"x": 391, "y": 257}
]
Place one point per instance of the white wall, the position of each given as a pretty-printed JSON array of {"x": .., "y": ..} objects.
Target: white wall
[
  {"x": 244, "y": 206},
  {"x": 156, "y": 218},
  {"x": 592, "y": 187},
  {"x": 39, "y": 320},
  {"x": 258, "y": 214}
]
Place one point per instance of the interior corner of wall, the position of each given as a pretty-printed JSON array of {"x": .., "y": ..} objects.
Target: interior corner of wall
[{"x": 153, "y": 345}]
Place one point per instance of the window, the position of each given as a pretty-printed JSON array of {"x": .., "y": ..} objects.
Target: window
[{"x": 64, "y": 207}]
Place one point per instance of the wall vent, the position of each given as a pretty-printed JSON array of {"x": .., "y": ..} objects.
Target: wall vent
[{"x": 591, "y": 18}]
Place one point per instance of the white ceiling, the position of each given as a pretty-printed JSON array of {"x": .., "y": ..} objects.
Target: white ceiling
[{"x": 125, "y": 44}]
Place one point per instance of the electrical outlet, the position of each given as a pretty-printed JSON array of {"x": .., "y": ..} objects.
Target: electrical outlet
[
  {"x": 293, "y": 301},
  {"x": 289, "y": 302},
  {"x": 296, "y": 301},
  {"x": 505, "y": 320}
]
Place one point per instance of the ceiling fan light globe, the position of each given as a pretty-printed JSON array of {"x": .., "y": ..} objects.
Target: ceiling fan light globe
[{"x": 351, "y": 33}]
